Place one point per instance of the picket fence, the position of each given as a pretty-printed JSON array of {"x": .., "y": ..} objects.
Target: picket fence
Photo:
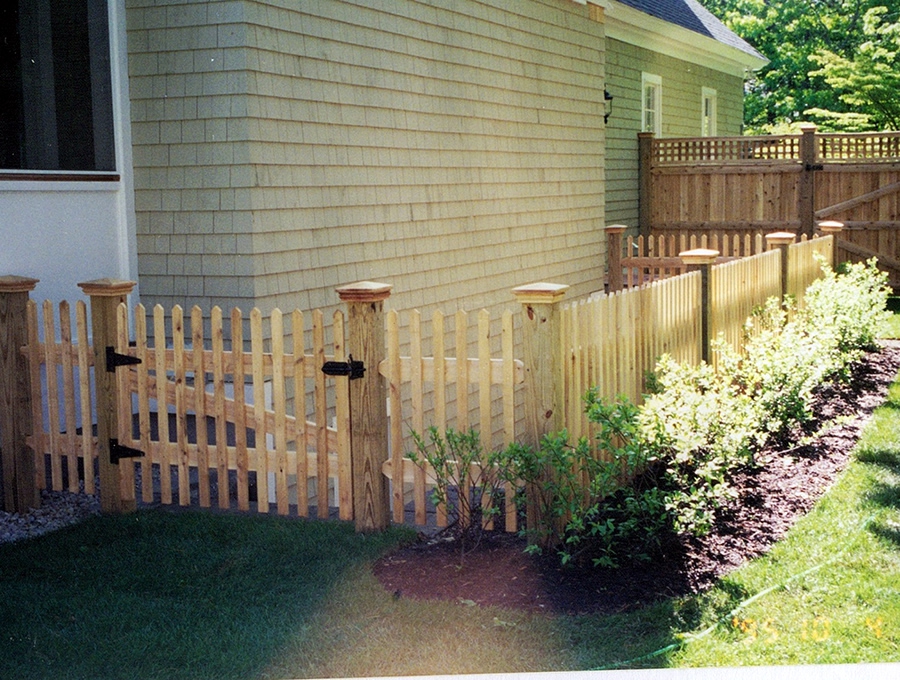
[{"x": 237, "y": 412}]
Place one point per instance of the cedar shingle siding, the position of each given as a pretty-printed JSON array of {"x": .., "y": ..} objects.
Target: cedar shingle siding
[{"x": 281, "y": 149}]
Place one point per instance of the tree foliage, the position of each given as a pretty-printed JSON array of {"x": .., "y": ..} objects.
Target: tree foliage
[
  {"x": 869, "y": 82},
  {"x": 828, "y": 61}
]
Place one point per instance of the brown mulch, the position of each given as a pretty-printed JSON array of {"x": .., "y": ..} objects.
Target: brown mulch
[{"x": 771, "y": 499}]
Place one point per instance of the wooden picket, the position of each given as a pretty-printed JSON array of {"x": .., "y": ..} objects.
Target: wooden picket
[
  {"x": 253, "y": 431},
  {"x": 737, "y": 288},
  {"x": 805, "y": 264},
  {"x": 611, "y": 341},
  {"x": 419, "y": 386},
  {"x": 61, "y": 383}
]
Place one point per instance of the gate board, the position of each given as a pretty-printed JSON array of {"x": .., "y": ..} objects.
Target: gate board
[
  {"x": 61, "y": 382},
  {"x": 230, "y": 420}
]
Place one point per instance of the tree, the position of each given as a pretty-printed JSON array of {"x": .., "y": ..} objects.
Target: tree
[
  {"x": 870, "y": 81},
  {"x": 791, "y": 89}
]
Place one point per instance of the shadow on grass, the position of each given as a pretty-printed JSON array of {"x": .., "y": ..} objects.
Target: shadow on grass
[
  {"x": 884, "y": 493},
  {"x": 647, "y": 638},
  {"x": 158, "y": 594}
]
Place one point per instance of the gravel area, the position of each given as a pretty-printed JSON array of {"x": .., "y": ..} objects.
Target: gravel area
[{"x": 58, "y": 509}]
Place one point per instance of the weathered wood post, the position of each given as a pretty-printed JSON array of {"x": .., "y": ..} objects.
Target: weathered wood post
[
  {"x": 20, "y": 489},
  {"x": 832, "y": 228},
  {"x": 645, "y": 182},
  {"x": 807, "y": 190},
  {"x": 614, "y": 257},
  {"x": 543, "y": 374},
  {"x": 116, "y": 495},
  {"x": 368, "y": 416},
  {"x": 702, "y": 260},
  {"x": 782, "y": 240}
]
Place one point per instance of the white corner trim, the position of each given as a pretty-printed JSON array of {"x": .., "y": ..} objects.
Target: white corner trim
[{"x": 634, "y": 27}]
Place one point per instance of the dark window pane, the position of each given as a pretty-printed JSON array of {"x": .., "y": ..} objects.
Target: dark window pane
[{"x": 55, "y": 89}]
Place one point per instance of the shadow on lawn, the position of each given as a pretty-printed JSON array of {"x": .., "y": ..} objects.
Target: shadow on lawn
[
  {"x": 885, "y": 492},
  {"x": 162, "y": 594}
]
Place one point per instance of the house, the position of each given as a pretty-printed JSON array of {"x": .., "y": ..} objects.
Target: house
[{"x": 263, "y": 152}]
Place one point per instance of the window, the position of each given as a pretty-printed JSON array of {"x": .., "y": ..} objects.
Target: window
[
  {"x": 651, "y": 88},
  {"x": 55, "y": 86},
  {"x": 708, "y": 113}
]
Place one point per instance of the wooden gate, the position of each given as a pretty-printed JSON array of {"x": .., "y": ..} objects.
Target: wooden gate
[
  {"x": 238, "y": 422},
  {"x": 225, "y": 411}
]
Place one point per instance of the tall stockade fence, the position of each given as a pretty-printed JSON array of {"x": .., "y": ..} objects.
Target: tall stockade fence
[{"x": 309, "y": 414}]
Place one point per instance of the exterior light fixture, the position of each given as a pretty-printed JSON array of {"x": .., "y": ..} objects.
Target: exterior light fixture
[{"x": 607, "y": 105}]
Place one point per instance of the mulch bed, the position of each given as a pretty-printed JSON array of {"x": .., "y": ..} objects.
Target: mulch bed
[{"x": 771, "y": 499}]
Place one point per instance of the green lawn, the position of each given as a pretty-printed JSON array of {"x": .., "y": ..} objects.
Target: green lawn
[{"x": 163, "y": 594}]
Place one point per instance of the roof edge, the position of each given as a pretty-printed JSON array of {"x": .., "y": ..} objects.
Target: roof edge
[{"x": 638, "y": 28}]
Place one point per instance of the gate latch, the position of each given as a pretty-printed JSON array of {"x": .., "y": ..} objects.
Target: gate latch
[
  {"x": 114, "y": 360},
  {"x": 352, "y": 369},
  {"x": 119, "y": 451}
]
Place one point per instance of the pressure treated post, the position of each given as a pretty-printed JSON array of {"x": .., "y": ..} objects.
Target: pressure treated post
[
  {"x": 368, "y": 416},
  {"x": 614, "y": 257},
  {"x": 702, "y": 260},
  {"x": 782, "y": 240},
  {"x": 807, "y": 190},
  {"x": 832, "y": 228},
  {"x": 645, "y": 182},
  {"x": 543, "y": 371},
  {"x": 20, "y": 490},
  {"x": 106, "y": 295}
]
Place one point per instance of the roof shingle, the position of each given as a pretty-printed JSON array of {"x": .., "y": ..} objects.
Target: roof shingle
[{"x": 693, "y": 16}]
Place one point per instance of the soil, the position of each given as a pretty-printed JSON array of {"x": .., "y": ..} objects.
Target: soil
[{"x": 771, "y": 499}]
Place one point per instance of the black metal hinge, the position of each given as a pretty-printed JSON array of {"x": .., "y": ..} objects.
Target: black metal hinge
[
  {"x": 119, "y": 451},
  {"x": 814, "y": 167},
  {"x": 352, "y": 369},
  {"x": 114, "y": 360}
]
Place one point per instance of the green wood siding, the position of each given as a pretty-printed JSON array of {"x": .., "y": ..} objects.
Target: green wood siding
[{"x": 682, "y": 85}]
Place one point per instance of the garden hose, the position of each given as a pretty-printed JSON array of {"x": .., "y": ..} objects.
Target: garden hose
[{"x": 731, "y": 614}]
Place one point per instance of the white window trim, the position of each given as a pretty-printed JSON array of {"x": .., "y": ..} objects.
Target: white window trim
[
  {"x": 651, "y": 79},
  {"x": 710, "y": 130}
]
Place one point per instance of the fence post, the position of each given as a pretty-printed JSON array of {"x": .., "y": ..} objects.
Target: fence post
[
  {"x": 645, "y": 183},
  {"x": 702, "y": 260},
  {"x": 782, "y": 240},
  {"x": 368, "y": 416},
  {"x": 20, "y": 489},
  {"x": 106, "y": 295},
  {"x": 614, "y": 257},
  {"x": 832, "y": 228},
  {"x": 543, "y": 372},
  {"x": 807, "y": 190}
]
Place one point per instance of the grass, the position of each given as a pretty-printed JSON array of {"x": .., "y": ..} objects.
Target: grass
[{"x": 163, "y": 594}]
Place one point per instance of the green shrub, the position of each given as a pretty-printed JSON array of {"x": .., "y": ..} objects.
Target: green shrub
[
  {"x": 701, "y": 427},
  {"x": 554, "y": 484},
  {"x": 670, "y": 464},
  {"x": 850, "y": 305},
  {"x": 464, "y": 473},
  {"x": 783, "y": 361}
]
